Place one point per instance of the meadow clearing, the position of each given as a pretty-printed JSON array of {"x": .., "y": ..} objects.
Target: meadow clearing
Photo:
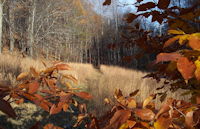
[{"x": 99, "y": 82}]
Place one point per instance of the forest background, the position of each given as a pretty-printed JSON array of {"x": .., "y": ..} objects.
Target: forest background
[{"x": 80, "y": 31}]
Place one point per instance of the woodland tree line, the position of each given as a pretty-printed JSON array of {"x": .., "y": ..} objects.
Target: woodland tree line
[{"x": 78, "y": 30}]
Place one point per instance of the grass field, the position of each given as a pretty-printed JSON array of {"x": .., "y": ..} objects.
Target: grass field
[{"x": 100, "y": 83}]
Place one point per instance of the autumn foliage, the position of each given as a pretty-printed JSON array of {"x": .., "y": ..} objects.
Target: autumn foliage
[
  {"x": 46, "y": 88},
  {"x": 177, "y": 61}
]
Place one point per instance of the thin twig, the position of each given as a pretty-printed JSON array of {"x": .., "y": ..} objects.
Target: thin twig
[{"x": 178, "y": 111}]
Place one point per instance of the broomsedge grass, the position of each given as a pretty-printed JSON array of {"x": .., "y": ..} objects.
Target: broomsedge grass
[{"x": 100, "y": 83}]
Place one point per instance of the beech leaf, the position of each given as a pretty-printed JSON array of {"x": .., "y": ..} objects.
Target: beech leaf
[
  {"x": 22, "y": 75},
  {"x": 84, "y": 95},
  {"x": 7, "y": 109}
]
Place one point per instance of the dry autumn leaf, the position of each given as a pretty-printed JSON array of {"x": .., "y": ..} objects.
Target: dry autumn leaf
[
  {"x": 7, "y": 109},
  {"x": 22, "y": 75},
  {"x": 186, "y": 68},
  {"x": 118, "y": 94},
  {"x": 191, "y": 118}
]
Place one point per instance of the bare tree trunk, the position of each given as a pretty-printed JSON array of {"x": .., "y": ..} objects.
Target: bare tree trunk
[
  {"x": 31, "y": 28},
  {"x": 1, "y": 22},
  {"x": 11, "y": 26}
]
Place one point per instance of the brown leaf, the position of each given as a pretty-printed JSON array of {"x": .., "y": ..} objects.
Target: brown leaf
[
  {"x": 34, "y": 72},
  {"x": 145, "y": 114},
  {"x": 49, "y": 70},
  {"x": 33, "y": 87},
  {"x": 186, "y": 68},
  {"x": 171, "y": 41},
  {"x": 65, "y": 107},
  {"x": 130, "y": 18},
  {"x": 118, "y": 119},
  {"x": 198, "y": 99},
  {"x": 118, "y": 94},
  {"x": 165, "y": 108},
  {"x": 194, "y": 42},
  {"x": 163, "y": 4},
  {"x": 44, "y": 106},
  {"x": 56, "y": 108},
  {"x": 68, "y": 84},
  {"x": 63, "y": 67},
  {"x": 81, "y": 117},
  {"x": 108, "y": 101},
  {"x": 162, "y": 123},
  {"x": 135, "y": 93},
  {"x": 132, "y": 103},
  {"x": 191, "y": 118},
  {"x": 84, "y": 95},
  {"x": 151, "y": 64},
  {"x": 168, "y": 57},
  {"x": 146, "y": 6},
  {"x": 36, "y": 126},
  {"x": 22, "y": 75},
  {"x": 146, "y": 101},
  {"x": 70, "y": 77},
  {"x": 131, "y": 121},
  {"x": 21, "y": 101},
  {"x": 48, "y": 126},
  {"x": 66, "y": 97},
  {"x": 2, "y": 85},
  {"x": 44, "y": 63},
  {"x": 107, "y": 2},
  {"x": 7, "y": 109}
]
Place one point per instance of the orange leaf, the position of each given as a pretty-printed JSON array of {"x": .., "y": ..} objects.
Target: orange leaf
[
  {"x": 175, "y": 32},
  {"x": 168, "y": 57},
  {"x": 194, "y": 42},
  {"x": 44, "y": 63},
  {"x": 186, "y": 68},
  {"x": 145, "y": 114},
  {"x": 65, "y": 107},
  {"x": 165, "y": 108},
  {"x": 118, "y": 119},
  {"x": 7, "y": 109},
  {"x": 71, "y": 78},
  {"x": 33, "y": 87},
  {"x": 34, "y": 72},
  {"x": 171, "y": 41},
  {"x": 63, "y": 67},
  {"x": 84, "y": 95},
  {"x": 197, "y": 71},
  {"x": 162, "y": 123},
  {"x": 22, "y": 75},
  {"x": 68, "y": 84},
  {"x": 146, "y": 101},
  {"x": 188, "y": 16},
  {"x": 118, "y": 94},
  {"x": 21, "y": 101},
  {"x": 163, "y": 4},
  {"x": 131, "y": 121},
  {"x": 48, "y": 126},
  {"x": 44, "y": 106},
  {"x": 81, "y": 117},
  {"x": 49, "y": 70},
  {"x": 146, "y": 6},
  {"x": 56, "y": 108},
  {"x": 132, "y": 103},
  {"x": 191, "y": 118},
  {"x": 107, "y": 2}
]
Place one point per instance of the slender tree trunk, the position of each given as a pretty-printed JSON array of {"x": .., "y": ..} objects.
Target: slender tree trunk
[
  {"x": 1, "y": 22},
  {"x": 11, "y": 26}
]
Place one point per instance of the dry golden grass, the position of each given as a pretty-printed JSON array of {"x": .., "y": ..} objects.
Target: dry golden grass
[
  {"x": 128, "y": 81},
  {"x": 100, "y": 83}
]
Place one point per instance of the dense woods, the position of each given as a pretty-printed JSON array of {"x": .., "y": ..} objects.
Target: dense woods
[{"x": 77, "y": 31}]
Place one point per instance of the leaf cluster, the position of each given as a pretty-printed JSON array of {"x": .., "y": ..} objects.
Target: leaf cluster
[{"x": 43, "y": 88}]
